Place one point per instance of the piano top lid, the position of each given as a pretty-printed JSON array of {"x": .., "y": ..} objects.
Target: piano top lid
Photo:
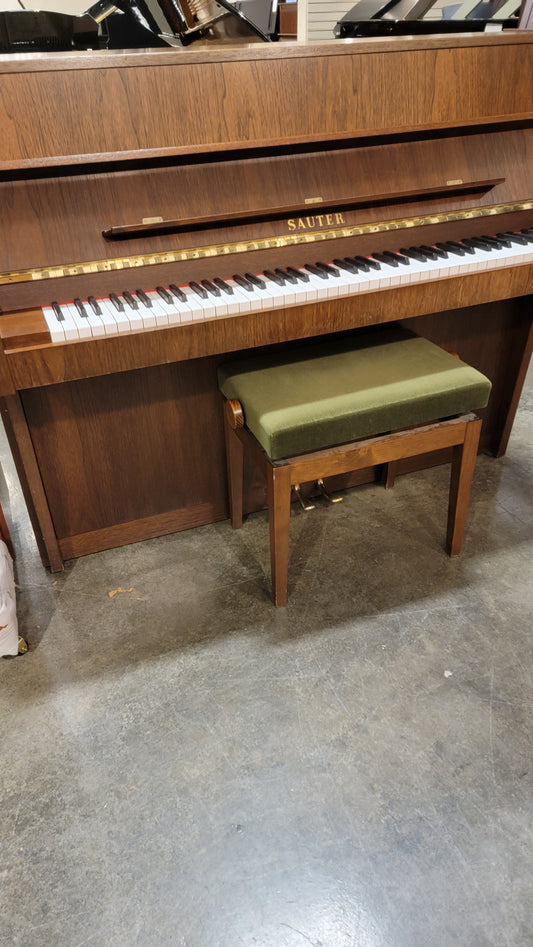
[
  {"x": 116, "y": 58},
  {"x": 254, "y": 96}
]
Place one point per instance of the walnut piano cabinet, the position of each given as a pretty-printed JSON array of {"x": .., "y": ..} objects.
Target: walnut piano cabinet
[{"x": 138, "y": 169}]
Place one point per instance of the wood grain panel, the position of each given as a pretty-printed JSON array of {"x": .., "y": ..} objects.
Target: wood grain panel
[
  {"x": 79, "y": 114},
  {"x": 129, "y": 447}
]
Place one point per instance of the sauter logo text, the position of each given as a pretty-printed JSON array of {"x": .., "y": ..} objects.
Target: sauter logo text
[{"x": 313, "y": 223}]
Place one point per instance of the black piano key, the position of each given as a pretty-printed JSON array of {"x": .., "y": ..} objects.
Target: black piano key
[
  {"x": 516, "y": 238},
  {"x": 477, "y": 242},
  {"x": 358, "y": 266},
  {"x": 243, "y": 282},
  {"x": 465, "y": 246},
  {"x": 398, "y": 257},
  {"x": 94, "y": 306},
  {"x": 199, "y": 290},
  {"x": 299, "y": 274},
  {"x": 347, "y": 264},
  {"x": 328, "y": 268},
  {"x": 381, "y": 258},
  {"x": 436, "y": 249},
  {"x": 290, "y": 277},
  {"x": 315, "y": 271},
  {"x": 276, "y": 277},
  {"x": 431, "y": 252},
  {"x": 132, "y": 303},
  {"x": 177, "y": 292},
  {"x": 210, "y": 287},
  {"x": 414, "y": 254},
  {"x": 146, "y": 301},
  {"x": 118, "y": 304},
  {"x": 528, "y": 232},
  {"x": 81, "y": 308},
  {"x": 57, "y": 309},
  {"x": 499, "y": 244},
  {"x": 504, "y": 239},
  {"x": 223, "y": 286},
  {"x": 255, "y": 280},
  {"x": 423, "y": 256},
  {"x": 494, "y": 242},
  {"x": 452, "y": 247},
  {"x": 367, "y": 263},
  {"x": 164, "y": 293}
]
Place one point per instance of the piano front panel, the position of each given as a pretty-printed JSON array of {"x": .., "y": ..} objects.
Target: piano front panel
[
  {"x": 148, "y": 104},
  {"x": 104, "y": 444}
]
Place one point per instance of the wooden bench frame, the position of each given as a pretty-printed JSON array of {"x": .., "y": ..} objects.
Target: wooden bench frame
[{"x": 461, "y": 434}]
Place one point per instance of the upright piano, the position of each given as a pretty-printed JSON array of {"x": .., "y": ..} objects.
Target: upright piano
[{"x": 144, "y": 196}]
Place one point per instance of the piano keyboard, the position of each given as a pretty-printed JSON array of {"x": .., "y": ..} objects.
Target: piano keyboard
[{"x": 139, "y": 310}]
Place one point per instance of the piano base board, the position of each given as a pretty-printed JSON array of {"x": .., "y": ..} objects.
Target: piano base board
[
  {"x": 128, "y": 456},
  {"x": 151, "y": 527}
]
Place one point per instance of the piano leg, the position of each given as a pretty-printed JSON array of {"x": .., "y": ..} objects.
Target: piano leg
[{"x": 519, "y": 383}]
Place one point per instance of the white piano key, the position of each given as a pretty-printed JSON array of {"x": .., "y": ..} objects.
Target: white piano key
[
  {"x": 134, "y": 316},
  {"x": 55, "y": 326},
  {"x": 308, "y": 287},
  {"x": 270, "y": 296},
  {"x": 147, "y": 314},
  {"x": 220, "y": 303},
  {"x": 107, "y": 318},
  {"x": 192, "y": 308},
  {"x": 207, "y": 305},
  {"x": 162, "y": 310},
  {"x": 196, "y": 308},
  {"x": 69, "y": 326},
  {"x": 242, "y": 297},
  {"x": 119, "y": 317},
  {"x": 84, "y": 324}
]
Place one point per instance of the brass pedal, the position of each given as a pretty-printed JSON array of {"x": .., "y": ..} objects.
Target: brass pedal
[
  {"x": 305, "y": 504},
  {"x": 322, "y": 489}
]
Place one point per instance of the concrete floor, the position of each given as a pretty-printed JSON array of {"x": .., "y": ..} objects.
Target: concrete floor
[{"x": 183, "y": 764}]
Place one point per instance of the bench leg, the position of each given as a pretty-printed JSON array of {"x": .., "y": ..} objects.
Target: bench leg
[
  {"x": 389, "y": 474},
  {"x": 235, "y": 466},
  {"x": 279, "y": 512},
  {"x": 463, "y": 464}
]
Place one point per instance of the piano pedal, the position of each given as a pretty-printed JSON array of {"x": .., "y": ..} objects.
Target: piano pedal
[
  {"x": 323, "y": 492},
  {"x": 22, "y": 645},
  {"x": 303, "y": 501}
]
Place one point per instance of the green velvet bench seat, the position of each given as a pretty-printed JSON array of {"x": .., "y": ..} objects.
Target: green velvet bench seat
[{"x": 319, "y": 409}]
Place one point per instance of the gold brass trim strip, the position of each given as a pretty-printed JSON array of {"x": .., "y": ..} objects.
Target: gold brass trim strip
[{"x": 264, "y": 243}]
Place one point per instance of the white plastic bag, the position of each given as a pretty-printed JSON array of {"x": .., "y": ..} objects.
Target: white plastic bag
[{"x": 9, "y": 635}]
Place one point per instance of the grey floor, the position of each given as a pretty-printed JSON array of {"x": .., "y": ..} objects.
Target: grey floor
[{"x": 183, "y": 764}]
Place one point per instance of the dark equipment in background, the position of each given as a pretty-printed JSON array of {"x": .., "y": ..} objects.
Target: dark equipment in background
[
  {"x": 133, "y": 24},
  {"x": 412, "y": 17},
  {"x": 29, "y": 31}
]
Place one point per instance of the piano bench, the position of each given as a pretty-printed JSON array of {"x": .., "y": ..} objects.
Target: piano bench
[{"x": 321, "y": 409}]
